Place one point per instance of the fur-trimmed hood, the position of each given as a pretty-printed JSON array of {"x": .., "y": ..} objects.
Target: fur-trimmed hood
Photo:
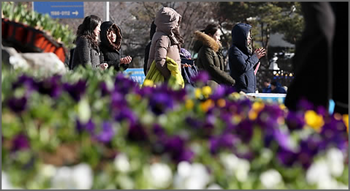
[
  {"x": 105, "y": 41},
  {"x": 204, "y": 39}
]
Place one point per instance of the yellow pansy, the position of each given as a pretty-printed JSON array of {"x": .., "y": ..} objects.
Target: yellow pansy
[
  {"x": 148, "y": 82},
  {"x": 206, "y": 91},
  {"x": 236, "y": 119},
  {"x": 314, "y": 120},
  {"x": 189, "y": 104},
  {"x": 283, "y": 107},
  {"x": 235, "y": 95},
  {"x": 221, "y": 103},
  {"x": 197, "y": 93},
  {"x": 346, "y": 121},
  {"x": 207, "y": 105},
  {"x": 256, "y": 108}
]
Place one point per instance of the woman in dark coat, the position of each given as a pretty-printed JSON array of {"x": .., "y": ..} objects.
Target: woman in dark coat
[
  {"x": 241, "y": 60},
  {"x": 87, "y": 51},
  {"x": 210, "y": 57},
  {"x": 111, "y": 38}
]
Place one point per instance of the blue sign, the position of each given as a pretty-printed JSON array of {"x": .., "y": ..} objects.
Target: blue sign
[
  {"x": 136, "y": 74},
  {"x": 60, "y": 10}
]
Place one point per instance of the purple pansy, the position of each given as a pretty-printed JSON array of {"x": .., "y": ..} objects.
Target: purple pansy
[
  {"x": 17, "y": 105},
  {"x": 244, "y": 130},
  {"x": 202, "y": 77},
  {"x": 76, "y": 90},
  {"x": 50, "y": 86},
  {"x": 160, "y": 103},
  {"x": 137, "y": 133},
  {"x": 104, "y": 89},
  {"x": 126, "y": 114},
  {"x": 295, "y": 120},
  {"x": 286, "y": 157},
  {"x": 124, "y": 85},
  {"x": 177, "y": 148},
  {"x": 20, "y": 142},
  {"x": 26, "y": 81},
  {"x": 334, "y": 133},
  {"x": 88, "y": 126},
  {"x": 107, "y": 132}
]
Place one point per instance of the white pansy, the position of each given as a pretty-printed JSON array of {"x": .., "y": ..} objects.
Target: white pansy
[
  {"x": 48, "y": 170},
  {"x": 160, "y": 175},
  {"x": 184, "y": 169},
  {"x": 62, "y": 179},
  {"x": 125, "y": 182},
  {"x": 270, "y": 178},
  {"x": 214, "y": 187},
  {"x": 121, "y": 163},
  {"x": 318, "y": 172},
  {"x": 335, "y": 161},
  {"x": 194, "y": 182},
  {"x": 242, "y": 170},
  {"x": 230, "y": 162},
  {"x": 82, "y": 176},
  {"x": 5, "y": 183},
  {"x": 329, "y": 183},
  {"x": 189, "y": 176},
  {"x": 77, "y": 177}
]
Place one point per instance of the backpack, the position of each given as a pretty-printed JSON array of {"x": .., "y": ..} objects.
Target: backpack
[{"x": 188, "y": 67}]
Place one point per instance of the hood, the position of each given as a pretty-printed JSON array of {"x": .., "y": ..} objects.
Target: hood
[
  {"x": 167, "y": 20},
  {"x": 105, "y": 28},
  {"x": 239, "y": 36},
  {"x": 204, "y": 39}
]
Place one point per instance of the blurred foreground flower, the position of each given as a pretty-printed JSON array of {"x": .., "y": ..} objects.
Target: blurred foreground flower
[{"x": 76, "y": 177}]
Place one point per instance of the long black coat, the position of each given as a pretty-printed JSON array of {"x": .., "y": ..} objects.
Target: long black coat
[
  {"x": 111, "y": 51},
  {"x": 242, "y": 63}
]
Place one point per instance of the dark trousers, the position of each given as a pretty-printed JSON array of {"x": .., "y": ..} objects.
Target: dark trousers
[{"x": 321, "y": 59}]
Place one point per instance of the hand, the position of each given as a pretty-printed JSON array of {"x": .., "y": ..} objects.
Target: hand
[
  {"x": 126, "y": 60},
  {"x": 103, "y": 66},
  {"x": 260, "y": 52}
]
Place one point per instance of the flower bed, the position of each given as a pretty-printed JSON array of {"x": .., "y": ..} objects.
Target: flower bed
[{"x": 100, "y": 130}]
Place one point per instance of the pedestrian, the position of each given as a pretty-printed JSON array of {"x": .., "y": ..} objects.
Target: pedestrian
[
  {"x": 267, "y": 86},
  {"x": 242, "y": 60},
  {"x": 210, "y": 57},
  {"x": 166, "y": 41},
  {"x": 277, "y": 88},
  {"x": 87, "y": 51},
  {"x": 110, "y": 46},
  {"x": 152, "y": 31},
  {"x": 321, "y": 60}
]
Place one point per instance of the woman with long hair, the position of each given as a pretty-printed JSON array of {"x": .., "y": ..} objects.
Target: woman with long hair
[
  {"x": 87, "y": 51},
  {"x": 110, "y": 46},
  {"x": 210, "y": 57}
]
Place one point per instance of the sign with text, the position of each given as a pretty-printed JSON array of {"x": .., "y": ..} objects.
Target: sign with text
[
  {"x": 136, "y": 74},
  {"x": 60, "y": 10}
]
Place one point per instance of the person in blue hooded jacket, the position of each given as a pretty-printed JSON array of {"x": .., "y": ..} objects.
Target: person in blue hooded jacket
[{"x": 242, "y": 61}]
